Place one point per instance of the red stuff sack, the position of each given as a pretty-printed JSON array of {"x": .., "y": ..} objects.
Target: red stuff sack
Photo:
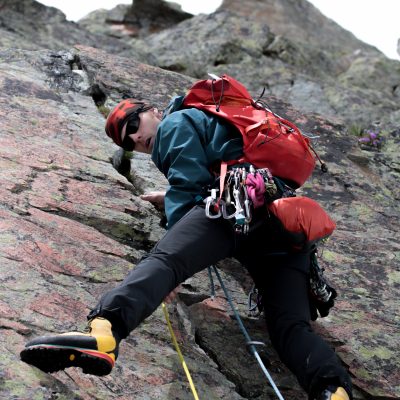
[{"x": 303, "y": 220}]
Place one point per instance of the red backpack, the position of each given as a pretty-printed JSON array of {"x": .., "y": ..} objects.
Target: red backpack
[{"x": 269, "y": 140}]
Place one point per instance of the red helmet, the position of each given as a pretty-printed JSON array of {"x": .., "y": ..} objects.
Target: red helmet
[{"x": 121, "y": 114}]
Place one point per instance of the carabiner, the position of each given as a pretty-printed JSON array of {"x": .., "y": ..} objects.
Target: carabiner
[
  {"x": 247, "y": 210},
  {"x": 236, "y": 196},
  {"x": 210, "y": 202}
]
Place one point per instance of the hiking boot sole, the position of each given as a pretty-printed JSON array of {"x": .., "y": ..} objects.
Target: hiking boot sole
[{"x": 56, "y": 358}]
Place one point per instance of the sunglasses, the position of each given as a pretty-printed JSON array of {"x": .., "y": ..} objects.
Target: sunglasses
[{"x": 132, "y": 127}]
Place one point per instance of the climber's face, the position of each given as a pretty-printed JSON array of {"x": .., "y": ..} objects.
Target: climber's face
[{"x": 139, "y": 134}]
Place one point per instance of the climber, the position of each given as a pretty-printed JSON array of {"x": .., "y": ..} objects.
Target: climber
[{"x": 184, "y": 144}]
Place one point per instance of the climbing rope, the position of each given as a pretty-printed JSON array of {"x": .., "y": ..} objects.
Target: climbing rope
[
  {"x": 250, "y": 343},
  {"x": 178, "y": 350}
]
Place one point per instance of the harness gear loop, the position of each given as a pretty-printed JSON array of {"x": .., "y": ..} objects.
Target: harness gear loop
[
  {"x": 178, "y": 350},
  {"x": 242, "y": 190},
  {"x": 249, "y": 343}
]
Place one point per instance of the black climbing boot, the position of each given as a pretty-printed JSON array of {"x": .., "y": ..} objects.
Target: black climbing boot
[
  {"x": 334, "y": 393},
  {"x": 95, "y": 352}
]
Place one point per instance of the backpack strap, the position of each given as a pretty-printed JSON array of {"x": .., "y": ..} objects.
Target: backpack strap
[{"x": 222, "y": 176}]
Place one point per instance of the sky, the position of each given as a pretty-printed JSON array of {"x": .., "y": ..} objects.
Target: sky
[{"x": 374, "y": 22}]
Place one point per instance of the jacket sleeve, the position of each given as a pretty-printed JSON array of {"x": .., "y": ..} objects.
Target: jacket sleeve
[{"x": 181, "y": 156}]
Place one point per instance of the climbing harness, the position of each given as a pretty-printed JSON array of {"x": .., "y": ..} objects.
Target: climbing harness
[
  {"x": 178, "y": 350},
  {"x": 249, "y": 342},
  {"x": 243, "y": 189}
]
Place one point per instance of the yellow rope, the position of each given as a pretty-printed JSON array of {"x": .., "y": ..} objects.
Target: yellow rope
[{"x": 178, "y": 350}]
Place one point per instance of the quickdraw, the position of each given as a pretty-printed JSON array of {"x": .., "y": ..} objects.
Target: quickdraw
[
  {"x": 318, "y": 285},
  {"x": 322, "y": 294},
  {"x": 244, "y": 190},
  {"x": 234, "y": 204}
]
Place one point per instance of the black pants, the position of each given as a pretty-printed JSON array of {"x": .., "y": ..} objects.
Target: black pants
[{"x": 194, "y": 243}]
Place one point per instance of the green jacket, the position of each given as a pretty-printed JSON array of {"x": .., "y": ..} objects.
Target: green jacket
[{"x": 188, "y": 144}]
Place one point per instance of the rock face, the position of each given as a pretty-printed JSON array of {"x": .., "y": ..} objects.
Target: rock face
[
  {"x": 153, "y": 15},
  {"x": 329, "y": 79},
  {"x": 299, "y": 21},
  {"x": 71, "y": 226},
  {"x": 27, "y": 24},
  {"x": 138, "y": 20}
]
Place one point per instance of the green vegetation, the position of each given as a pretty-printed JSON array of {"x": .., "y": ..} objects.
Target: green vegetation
[
  {"x": 368, "y": 138},
  {"x": 356, "y": 130},
  {"x": 104, "y": 110}
]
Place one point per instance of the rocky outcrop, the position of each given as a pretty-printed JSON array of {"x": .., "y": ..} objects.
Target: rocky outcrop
[
  {"x": 71, "y": 227},
  {"x": 288, "y": 47},
  {"x": 312, "y": 78},
  {"x": 138, "y": 20},
  {"x": 153, "y": 16},
  {"x": 30, "y": 25},
  {"x": 107, "y": 22},
  {"x": 300, "y": 22}
]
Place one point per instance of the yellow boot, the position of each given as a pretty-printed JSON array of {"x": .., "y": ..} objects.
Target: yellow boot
[
  {"x": 334, "y": 394},
  {"x": 95, "y": 352}
]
